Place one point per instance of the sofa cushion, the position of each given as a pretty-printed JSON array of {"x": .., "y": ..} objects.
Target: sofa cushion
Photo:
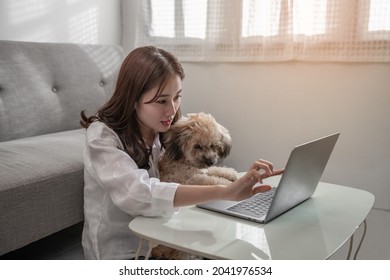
[
  {"x": 44, "y": 86},
  {"x": 41, "y": 186}
]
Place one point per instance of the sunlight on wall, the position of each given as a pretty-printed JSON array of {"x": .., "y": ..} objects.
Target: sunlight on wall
[
  {"x": 26, "y": 10},
  {"x": 76, "y": 21},
  {"x": 104, "y": 58},
  {"x": 83, "y": 27}
]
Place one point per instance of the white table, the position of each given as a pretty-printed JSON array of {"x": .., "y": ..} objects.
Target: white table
[{"x": 315, "y": 229}]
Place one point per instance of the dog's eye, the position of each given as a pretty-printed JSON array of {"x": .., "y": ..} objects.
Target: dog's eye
[{"x": 197, "y": 147}]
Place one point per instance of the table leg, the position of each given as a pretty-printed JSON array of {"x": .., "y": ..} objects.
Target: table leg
[
  {"x": 139, "y": 248},
  {"x": 151, "y": 245},
  {"x": 360, "y": 243}
]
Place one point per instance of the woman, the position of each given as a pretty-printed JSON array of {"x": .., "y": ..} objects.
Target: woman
[{"x": 122, "y": 150}]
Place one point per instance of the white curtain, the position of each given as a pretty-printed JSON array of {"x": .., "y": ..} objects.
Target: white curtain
[{"x": 268, "y": 30}]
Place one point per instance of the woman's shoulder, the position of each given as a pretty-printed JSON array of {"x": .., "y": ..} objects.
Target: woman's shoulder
[
  {"x": 98, "y": 125},
  {"x": 99, "y": 130}
]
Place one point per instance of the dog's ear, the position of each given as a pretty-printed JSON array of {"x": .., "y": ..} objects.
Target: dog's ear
[
  {"x": 171, "y": 144},
  {"x": 176, "y": 137},
  {"x": 226, "y": 142}
]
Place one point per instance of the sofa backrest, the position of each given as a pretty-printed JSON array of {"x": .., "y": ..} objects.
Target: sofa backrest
[{"x": 44, "y": 86}]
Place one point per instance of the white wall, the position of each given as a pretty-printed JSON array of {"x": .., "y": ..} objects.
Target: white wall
[
  {"x": 70, "y": 21},
  {"x": 269, "y": 108}
]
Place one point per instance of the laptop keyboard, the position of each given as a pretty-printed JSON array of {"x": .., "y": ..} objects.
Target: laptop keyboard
[{"x": 256, "y": 206}]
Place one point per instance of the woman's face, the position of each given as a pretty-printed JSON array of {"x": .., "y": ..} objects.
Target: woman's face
[{"x": 157, "y": 116}]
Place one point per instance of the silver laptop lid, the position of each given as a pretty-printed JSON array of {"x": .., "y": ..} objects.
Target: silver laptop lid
[{"x": 302, "y": 173}]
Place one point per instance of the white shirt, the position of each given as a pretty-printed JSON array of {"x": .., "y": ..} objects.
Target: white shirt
[{"x": 116, "y": 191}]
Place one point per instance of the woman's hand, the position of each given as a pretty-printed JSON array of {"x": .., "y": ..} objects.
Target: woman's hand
[
  {"x": 266, "y": 169},
  {"x": 245, "y": 187},
  {"x": 240, "y": 189}
]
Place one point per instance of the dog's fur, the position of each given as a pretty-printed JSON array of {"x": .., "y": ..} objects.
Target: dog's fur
[{"x": 193, "y": 146}]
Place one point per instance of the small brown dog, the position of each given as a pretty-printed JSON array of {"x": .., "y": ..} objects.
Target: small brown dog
[{"x": 193, "y": 146}]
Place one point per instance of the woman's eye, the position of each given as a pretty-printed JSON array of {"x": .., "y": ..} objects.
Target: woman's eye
[{"x": 161, "y": 101}]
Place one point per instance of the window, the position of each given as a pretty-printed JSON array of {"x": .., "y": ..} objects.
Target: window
[
  {"x": 168, "y": 22},
  {"x": 260, "y": 18},
  {"x": 268, "y": 30},
  {"x": 309, "y": 17},
  {"x": 379, "y": 16}
]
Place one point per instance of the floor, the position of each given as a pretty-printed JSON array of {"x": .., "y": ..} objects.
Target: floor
[{"x": 66, "y": 245}]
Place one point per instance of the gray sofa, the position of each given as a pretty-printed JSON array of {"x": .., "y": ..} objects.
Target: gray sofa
[{"x": 43, "y": 88}]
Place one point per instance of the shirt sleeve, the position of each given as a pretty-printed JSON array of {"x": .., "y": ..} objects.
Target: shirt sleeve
[{"x": 130, "y": 188}]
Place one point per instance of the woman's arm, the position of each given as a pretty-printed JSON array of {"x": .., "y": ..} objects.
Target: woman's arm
[{"x": 237, "y": 190}]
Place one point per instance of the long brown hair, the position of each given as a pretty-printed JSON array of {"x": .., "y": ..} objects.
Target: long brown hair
[{"x": 143, "y": 69}]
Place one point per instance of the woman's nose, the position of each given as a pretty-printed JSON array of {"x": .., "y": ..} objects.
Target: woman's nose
[{"x": 171, "y": 108}]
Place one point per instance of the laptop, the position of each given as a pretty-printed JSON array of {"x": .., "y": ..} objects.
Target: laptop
[{"x": 302, "y": 173}]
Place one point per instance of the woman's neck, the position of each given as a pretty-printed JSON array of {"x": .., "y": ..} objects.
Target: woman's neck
[{"x": 149, "y": 137}]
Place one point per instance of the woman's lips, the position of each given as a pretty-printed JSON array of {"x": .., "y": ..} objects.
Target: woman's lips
[{"x": 166, "y": 123}]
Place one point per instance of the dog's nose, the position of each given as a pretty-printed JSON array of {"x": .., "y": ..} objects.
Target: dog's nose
[{"x": 208, "y": 161}]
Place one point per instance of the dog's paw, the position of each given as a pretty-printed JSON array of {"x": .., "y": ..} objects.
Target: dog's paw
[
  {"x": 223, "y": 172},
  {"x": 206, "y": 179}
]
